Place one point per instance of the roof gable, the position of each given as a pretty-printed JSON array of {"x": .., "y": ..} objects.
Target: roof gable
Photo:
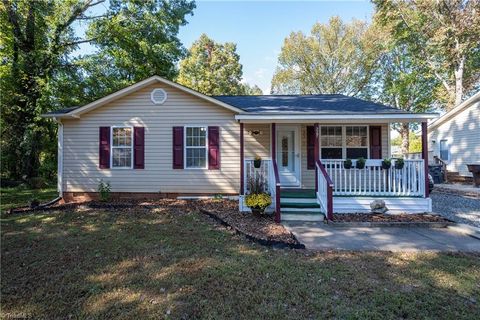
[{"x": 76, "y": 112}]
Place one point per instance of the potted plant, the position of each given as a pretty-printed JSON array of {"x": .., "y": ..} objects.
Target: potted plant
[
  {"x": 258, "y": 202},
  {"x": 399, "y": 163},
  {"x": 360, "y": 163},
  {"x": 257, "y": 199},
  {"x": 347, "y": 164},
  {"x": 257, "y": 162},
  {"x": 386, "y": 164}
]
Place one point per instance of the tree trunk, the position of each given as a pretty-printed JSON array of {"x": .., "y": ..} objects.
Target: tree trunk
[
  {"x": 459, "y": 82},
  {"x": 405, "y": 134}
]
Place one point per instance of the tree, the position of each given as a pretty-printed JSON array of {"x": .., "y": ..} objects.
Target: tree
[
  {"x": 212, "y": 68},
  {"x": 404, "y": 83},
  {"x": 336, "y": 57},
  {"x": 251, "y": 90},
  {"x": 445, "y": 35},
  {"x": 135, "y": 39}
]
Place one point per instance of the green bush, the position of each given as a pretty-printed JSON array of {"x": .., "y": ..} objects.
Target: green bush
[
  {"x": 258, "y": 200},
  {"x": 36, "y": 183},
  {"x": 399, "y": 163},
  {"x": 386, "y": 164},
  {"x": 104, "y": 189},
  {"x": 360, "y": 163},
  {"x": 347, "y": 164}
]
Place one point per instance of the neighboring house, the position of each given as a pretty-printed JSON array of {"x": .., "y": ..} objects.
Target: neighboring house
[
  {"x": 455, "y": 137},
  {"x": 157, "y": 138}
]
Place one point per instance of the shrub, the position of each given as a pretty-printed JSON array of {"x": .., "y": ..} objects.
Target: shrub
[
  {"x": 360, "y": 163},
  {"x": 36, "y": 183},
  {"x": 258, "y": 201},
  {"x": 104, "y": 189}
]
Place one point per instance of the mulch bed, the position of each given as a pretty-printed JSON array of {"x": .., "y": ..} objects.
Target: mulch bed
[
  {"x": 261, "y": 229},
  {"x": 404, "y": 217}
]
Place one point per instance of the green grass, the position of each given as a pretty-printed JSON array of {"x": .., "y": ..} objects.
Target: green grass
[
  {"x": 164, "y": 263},
  {"x": 15, "y": 197}
]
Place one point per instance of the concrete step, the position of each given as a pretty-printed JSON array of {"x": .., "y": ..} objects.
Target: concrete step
[
  {"x": 302, "y": 216},
  {"x": 298, "y": 200}
]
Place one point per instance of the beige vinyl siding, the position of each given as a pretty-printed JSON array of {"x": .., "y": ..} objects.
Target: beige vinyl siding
[
  {"x": 462, "y": 132},
  {"x": 257, "y": 144},
  {"x": 81, "y": 140}
]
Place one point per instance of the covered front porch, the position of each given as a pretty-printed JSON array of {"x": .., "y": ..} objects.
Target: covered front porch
[{"x": 303, "y": 168}]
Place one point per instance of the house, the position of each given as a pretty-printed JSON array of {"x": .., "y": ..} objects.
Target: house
[
  {"x": 157, "y": 138},
  {"x": 454, "y": 139}
]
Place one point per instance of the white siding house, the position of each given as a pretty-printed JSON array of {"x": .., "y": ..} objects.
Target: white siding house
[{"x": 455, "y": 136}]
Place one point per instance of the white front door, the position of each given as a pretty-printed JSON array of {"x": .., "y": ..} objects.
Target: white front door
[{"x": 288, "y": 156}]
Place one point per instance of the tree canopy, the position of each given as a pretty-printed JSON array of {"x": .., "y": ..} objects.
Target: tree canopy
[
  {"x": 336, "y": 57},
  {"x": 213, "y": 69}
]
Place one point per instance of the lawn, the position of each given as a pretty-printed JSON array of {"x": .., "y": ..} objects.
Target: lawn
[
  {"x": 175, "y": 263},
  {"x": 14, "y": 197}
]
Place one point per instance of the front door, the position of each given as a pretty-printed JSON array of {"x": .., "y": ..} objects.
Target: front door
[{"x": 288, "y": 156}]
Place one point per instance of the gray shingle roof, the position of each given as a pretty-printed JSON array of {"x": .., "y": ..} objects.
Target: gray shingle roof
[
  {"x": 318, "y": 104},
  {"x": 315, "y": 104}
]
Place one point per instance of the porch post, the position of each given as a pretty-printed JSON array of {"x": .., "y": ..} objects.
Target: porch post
[
  {"x": 425, "y": 156},
  {"x": 316, "y": 155},
  {"x": 274, "y": 142},
  {"x": 242, "y": 164}
]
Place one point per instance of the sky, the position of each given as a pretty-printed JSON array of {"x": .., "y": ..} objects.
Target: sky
[{"x": 259, "y": 28}]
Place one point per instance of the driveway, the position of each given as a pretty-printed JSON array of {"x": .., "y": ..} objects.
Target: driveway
[
  {"x": 319, "y": 236},
  {"x": 458, "y": 208}
]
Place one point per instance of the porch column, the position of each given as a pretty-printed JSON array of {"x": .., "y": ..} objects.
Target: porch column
[
  {"x": 273, "y": 135},
  {"x": 242, "y": 164},
  {"x": 425, "y": 156},
  {"x": 316, "y": 155}
]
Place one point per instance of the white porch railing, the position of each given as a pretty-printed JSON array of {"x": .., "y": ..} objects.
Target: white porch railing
[
  {"x": 375, "y": 181},
  {"x": 266, "y": 174}
]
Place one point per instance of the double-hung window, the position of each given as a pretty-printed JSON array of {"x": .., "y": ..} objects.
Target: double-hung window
[
  {"x": 444, "y": 150},
  {"x": 356, "y": 142},
  {"x": 122, "y": 144},
  {"x": 196, "y": 147},
  {"x": 331, "y": 142}
]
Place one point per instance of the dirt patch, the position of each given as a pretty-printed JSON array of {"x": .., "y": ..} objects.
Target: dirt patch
[
  {"x": 368, "y": 217},
  {"x": 257, "y": 227}
]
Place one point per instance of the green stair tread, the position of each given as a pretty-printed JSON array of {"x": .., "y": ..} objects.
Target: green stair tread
[
  {"x": 302, "y": 212},
  {"x": 298, "y": 205},
  {"x": 301, "y": 193}
]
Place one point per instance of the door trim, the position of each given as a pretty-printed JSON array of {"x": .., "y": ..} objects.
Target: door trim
[{"x": 298, "y": 131}]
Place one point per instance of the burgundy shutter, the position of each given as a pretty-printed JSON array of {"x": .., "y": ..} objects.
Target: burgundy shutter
[
  {"x": 177, "y": 147},
  {"x": 375, "y": 142},
  {"x": 104, "y": 148},
  {"x": 310, "y": 147},
  {"x": 213, "y": 148},
  {"x": 139, "y": 148}
]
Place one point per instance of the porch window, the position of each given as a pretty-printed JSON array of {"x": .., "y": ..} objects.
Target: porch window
[
  {"x": 196, "y": 147},
  {"x": 338, "y": 142},
  {"x": 332, "y": 142},
  {"x": 122, "y": 143},
  {"x": 356, "y": 142}
]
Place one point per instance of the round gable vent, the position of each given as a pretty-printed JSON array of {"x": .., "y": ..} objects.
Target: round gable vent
[{"x": 158, "y": 96}]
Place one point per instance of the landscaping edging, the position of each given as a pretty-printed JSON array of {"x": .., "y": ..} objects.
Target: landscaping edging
[
  {"x": 392, "y": 224},
  {"x": 264, "y": 242}
]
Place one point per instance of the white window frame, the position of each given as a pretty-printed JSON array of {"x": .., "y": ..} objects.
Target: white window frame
[
  {"x": 194, "y": 147},
  {"x": 112, "y": 147},
  {"x": 447, "y": 145},
  {"x": 344, "y": 139}
]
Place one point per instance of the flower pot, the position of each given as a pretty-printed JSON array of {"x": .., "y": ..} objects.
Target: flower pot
[
  {"x": 386, "y": 166},
  {"x": 257, "y": 211},
  {"x": 399, "y": 166},
  {"x": 257, "y": 163},
  {"x": 347, "y": 164},
  {"x": 360, "y": 165}
]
